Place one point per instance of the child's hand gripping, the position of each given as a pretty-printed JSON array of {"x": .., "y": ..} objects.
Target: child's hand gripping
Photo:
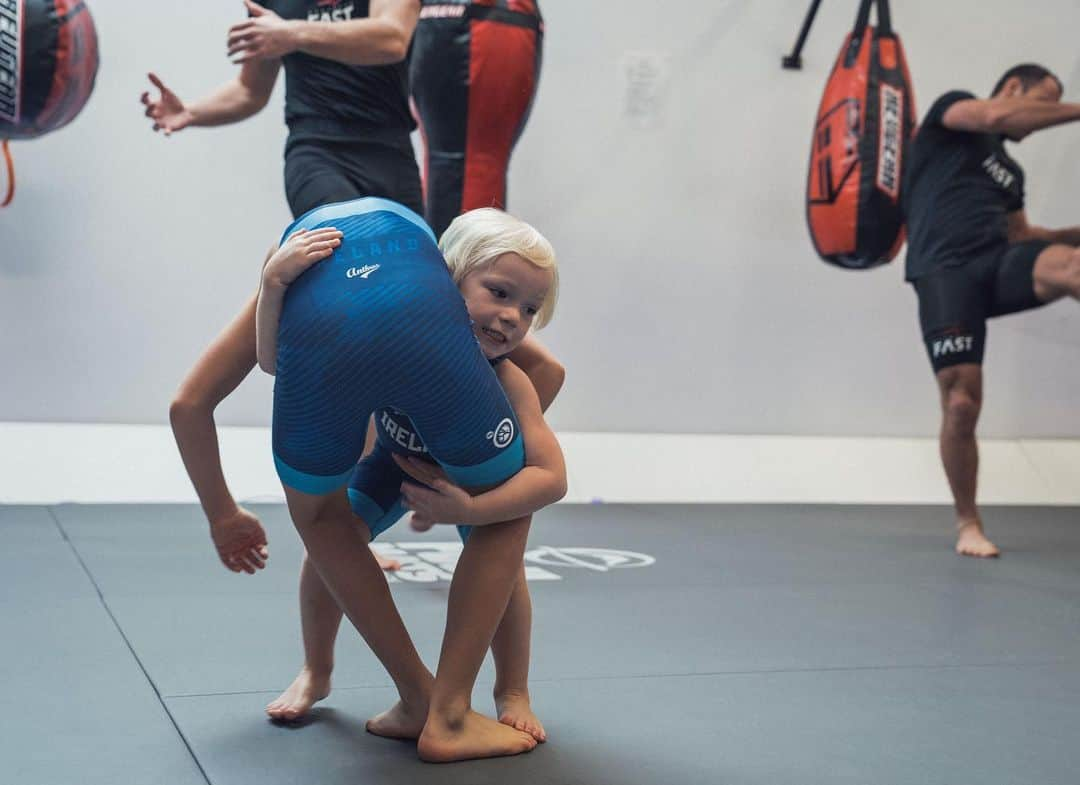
[
  {"x": 299, "y": 252},
  {"x": 440, "y": 502}
]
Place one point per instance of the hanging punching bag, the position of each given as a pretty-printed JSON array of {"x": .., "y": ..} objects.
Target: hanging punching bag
[
  {"x": 48, "y": 62},
  {"x": 864, "y": 123}
]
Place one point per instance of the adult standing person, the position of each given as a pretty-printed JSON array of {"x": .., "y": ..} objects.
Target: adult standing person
[
  {"x": 346, "y": 107},
  {"x": 972, "y": 255},
  {"x": 474, "y": 70}
]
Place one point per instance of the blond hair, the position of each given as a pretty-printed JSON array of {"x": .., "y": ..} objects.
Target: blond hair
[{"x": 474, "y": 240}]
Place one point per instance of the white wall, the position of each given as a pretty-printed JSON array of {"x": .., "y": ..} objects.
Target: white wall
[{"x": 692, "y": 299}]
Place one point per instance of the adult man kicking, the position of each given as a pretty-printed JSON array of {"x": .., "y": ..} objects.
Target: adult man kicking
[{"x": 972, "y": 255}]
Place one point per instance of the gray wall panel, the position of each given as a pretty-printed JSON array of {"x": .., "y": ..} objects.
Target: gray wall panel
[{"x": 692, "y": 299}]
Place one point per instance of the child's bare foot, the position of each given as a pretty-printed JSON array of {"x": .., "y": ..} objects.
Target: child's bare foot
[
  {"x": 400, "y": 721},
  {"x": 307, "y": 690},
  {"x": 972, "y": 542},
  {"x": 385, "y": 562},
  {"x": 514, "y": 709},
  {"x": 476, "y": 736}
]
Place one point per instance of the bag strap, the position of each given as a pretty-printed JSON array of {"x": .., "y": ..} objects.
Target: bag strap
[
  {"x": 862, "y": 21},
  {"x": 10, "y": 173},
  {"x": 884, "y": 18},
  {"x": 862, "y": 18}
]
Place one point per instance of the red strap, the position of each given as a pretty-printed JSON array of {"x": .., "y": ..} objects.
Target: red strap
[{"x": 11, "y": 175}]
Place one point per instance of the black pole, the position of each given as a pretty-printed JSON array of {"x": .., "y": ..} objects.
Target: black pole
[{"x": 793, "y": 61}]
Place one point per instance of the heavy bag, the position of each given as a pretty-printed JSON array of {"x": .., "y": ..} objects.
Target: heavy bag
[
  {"x": 864, "y": 123},
  {"x": 48, "y": 62}
]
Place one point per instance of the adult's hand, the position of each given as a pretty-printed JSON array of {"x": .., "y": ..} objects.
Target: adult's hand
[
  {"x": 168, "y": 111},
  {"x": 263, "y": 35}
]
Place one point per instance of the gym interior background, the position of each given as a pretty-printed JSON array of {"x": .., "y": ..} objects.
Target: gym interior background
[{"x": 711, "y": 358}]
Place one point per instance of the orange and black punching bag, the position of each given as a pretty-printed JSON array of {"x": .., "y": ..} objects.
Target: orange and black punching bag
[
  {"x": 48, "y": 63},
  {"x": 864, "y": 123}
]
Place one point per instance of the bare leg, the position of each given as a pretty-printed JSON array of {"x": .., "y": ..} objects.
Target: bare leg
[
  {"x": 320, "y": 618},
  {"x": 510, "y": 648},
  {"x": 385, "y": 562},
  {"x": 338, "y": 548},
  {"x": 961, "y": 402},
  {"x": 479, "y": 593},
  {"x": 1057, "y": 273}
]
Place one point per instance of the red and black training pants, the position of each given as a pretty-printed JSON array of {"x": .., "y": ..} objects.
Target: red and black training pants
[{"x": 473, "y": 73}]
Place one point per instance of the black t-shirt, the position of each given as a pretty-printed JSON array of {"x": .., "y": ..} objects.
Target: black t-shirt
[
  {"x": 325, "y": 99},
  {"x": 958, "y": 189}
]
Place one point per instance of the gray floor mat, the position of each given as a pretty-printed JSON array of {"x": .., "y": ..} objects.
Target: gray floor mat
[{"x": 682, "y": 643}]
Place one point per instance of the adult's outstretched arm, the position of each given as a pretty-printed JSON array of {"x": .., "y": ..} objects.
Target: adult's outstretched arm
[{"x": 1015, "y": 117}]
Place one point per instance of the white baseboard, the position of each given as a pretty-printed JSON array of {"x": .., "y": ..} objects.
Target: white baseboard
[{"x": 47, "y": 463}]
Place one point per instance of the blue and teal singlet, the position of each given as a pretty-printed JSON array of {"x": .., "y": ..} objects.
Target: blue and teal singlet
[{"x": 380, "y": 325}]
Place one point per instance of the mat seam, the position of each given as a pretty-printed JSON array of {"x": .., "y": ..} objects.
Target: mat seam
[
  {"x": 124, "y": 638},
  {"x": 757, "y": 672}
]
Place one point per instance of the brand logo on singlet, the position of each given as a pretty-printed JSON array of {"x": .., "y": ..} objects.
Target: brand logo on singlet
[
  {"x": 10, "y": 49},
  {"x": 331, "y": 11},
  {"x": 361, "y": 272},
  {"x": 892, "y": 113},
  {"x": 952, "y": 344},
  {"x": 388, "y": 246},
  {"x": 401, "y": 435},
  {"x": 998, "y": 172},
  {"x": 503, "y": 433}
]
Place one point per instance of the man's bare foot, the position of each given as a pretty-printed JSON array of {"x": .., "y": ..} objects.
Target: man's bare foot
[
  {"x": 972, "y": 542},
  {"x": 476, "y": 736},
  {"x": 514, "y": 709},
  {"x": 400, "y": 721},
  {"x": 307, "y": 690},
  {"x": 385, "y": 562}
]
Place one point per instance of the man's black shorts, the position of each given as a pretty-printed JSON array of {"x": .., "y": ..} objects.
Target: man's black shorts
[
  {"x": 956, "y": 300},
  {"x": 320, "y": 171}
]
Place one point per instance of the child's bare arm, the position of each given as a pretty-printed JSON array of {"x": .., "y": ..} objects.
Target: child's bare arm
[
  {"x": 296, "y": 254},
  {"x": 541, "y": 482},
  {"x": 544, "y": 370}
]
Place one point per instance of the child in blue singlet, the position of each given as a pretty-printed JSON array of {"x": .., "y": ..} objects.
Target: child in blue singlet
[{"x": 387, "y": 344}]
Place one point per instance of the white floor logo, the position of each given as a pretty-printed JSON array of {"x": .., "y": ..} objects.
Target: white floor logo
[
  {"x": 596, "y": 559},
  {"x": 433, "y": 562}
]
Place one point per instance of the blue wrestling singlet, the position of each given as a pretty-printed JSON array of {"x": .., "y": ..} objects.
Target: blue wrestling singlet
[
  {"x": 381, "y": 325},
  {"x": 375, "y": 487}
]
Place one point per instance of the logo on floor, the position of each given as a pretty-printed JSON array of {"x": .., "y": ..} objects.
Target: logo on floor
[{"x": 433, "y": 562}]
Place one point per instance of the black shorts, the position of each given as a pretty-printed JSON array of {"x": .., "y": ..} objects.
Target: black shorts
[
  {"x": 319, "y": 171},
  {"x": 956, "y": 300}
]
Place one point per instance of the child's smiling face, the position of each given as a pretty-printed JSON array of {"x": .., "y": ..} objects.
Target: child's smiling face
[{"x": 503, "y": 298}]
